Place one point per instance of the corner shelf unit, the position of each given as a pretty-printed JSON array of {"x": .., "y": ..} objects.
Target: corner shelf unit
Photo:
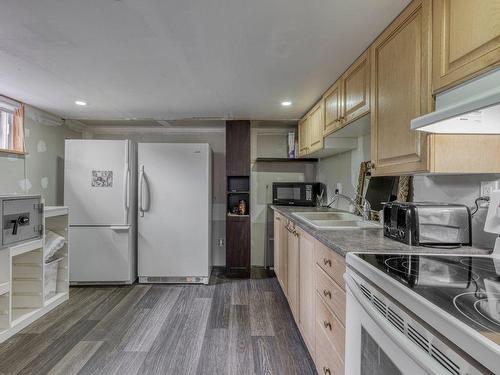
[{"x": 23, "y": 296}]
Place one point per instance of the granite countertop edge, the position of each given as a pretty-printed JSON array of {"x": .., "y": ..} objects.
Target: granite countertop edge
[{"x": 344, "y": 241}]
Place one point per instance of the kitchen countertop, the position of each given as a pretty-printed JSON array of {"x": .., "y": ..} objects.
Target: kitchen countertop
[{"x": 344, "y": 241}]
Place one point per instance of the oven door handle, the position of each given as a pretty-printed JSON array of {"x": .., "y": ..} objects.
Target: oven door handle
[{"x": 422, "y": 358}]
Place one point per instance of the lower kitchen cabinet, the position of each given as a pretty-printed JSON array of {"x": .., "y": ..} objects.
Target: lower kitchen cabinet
[
  {"x": 293, "y": 272},
  {"x": 311, "y": 276},
  {"x": 281, "y": 251},
  {"x": 306, "y": 289}
]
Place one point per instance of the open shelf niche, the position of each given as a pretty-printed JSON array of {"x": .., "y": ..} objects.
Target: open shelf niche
[{"x": 58, "y": 223}]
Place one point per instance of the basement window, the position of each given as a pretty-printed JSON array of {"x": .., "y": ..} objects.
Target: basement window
[{"x": 11, "y": 126}]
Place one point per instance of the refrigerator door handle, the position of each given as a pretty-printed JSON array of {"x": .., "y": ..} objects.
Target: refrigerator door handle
[
  {"x": 126, "y": 192},
  {"x": 143, "y": 191}
]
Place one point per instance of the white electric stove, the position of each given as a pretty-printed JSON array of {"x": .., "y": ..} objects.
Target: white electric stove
[{"x": 422, "y": 314}]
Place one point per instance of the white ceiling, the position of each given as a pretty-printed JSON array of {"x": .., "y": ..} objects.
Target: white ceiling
[{"x": 166, "y": 59}]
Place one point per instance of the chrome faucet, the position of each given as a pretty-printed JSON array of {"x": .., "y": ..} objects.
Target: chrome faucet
[{"x": 363, "y": 211}]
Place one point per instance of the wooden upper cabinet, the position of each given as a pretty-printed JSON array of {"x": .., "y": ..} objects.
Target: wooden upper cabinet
[
  {"x": 400, "y": 91},
  {"x": 332, "y": 103},
  {"x": 315, "y": 127},
  {"x": 303, "y": 136},
  {"x": 355, "y": 84},
  {"x": 466, "y": 40}
]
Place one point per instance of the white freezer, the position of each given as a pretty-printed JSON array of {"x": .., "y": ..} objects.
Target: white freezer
[{"x": 175, "y": 212}]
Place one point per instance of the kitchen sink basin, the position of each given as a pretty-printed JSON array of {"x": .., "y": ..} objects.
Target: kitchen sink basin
[
  {"x": 327, "y": 216},
  {"x": 344, "y": 224},
  {"x": 336, "y": 220}
]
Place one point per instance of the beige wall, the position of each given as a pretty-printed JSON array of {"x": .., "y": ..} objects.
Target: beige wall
[{"x": 41, "y": 170}]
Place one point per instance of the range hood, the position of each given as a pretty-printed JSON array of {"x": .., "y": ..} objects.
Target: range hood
[{"x": 479, "y": 114}]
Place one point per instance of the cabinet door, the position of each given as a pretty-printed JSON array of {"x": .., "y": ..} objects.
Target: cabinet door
[
  {"x": 304, "y": 136},
  {"x": 283, "y": 257},
  {"x": 466, "y": 39},
  {"x": 306, "y": 289},
  {"x": 356, "y": 89},
  {"x": 332, "y": 102},
  {"x": 316, "y": 128},
  {"x": 238, "y": 245},
  {"x": 293, "y": 274},
  {"x": 277, "y": 244},
  {"x": 400, "y": 91}
]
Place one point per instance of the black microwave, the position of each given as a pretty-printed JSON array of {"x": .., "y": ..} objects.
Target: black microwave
[{"x": 296, "y": 193}]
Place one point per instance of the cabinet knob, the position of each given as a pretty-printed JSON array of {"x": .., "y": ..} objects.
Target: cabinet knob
[
  {"x": 326, "y": 370},
  {"x": 327, "y": 262},
  {"x": 327, "y": 293},
  {"x": 327, "y": 325}
]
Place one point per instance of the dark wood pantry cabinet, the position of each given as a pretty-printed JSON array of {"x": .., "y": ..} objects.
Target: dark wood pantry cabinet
[{"x": 238, "y": 198}]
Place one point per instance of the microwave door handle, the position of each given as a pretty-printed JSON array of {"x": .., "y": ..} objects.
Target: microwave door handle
[{"x": 399, "y": 339}]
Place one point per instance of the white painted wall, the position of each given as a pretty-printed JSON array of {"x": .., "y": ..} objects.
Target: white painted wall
[
  {"x": 344, "y": 169},
  {"x": 41, "y": 170},
  {"x": 269, "y": 141}
]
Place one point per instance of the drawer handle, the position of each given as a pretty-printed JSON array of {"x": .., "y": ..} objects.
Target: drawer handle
[
  {"x": 327, "y": 262},
  {"x": 327, "y": 325},
  {"x": 327, "y": 293},
  {"x": 326, "y": 370}
]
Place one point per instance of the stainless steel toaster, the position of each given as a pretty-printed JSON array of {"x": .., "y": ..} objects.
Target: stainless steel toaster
[{"x": 427, "y": 223}]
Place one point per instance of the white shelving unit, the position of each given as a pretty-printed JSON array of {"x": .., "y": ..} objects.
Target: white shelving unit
[{"x": 22, "y": 274}]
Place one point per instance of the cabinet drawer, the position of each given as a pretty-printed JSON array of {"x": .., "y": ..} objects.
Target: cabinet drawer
[
  {"x": 332, "y": 263},
  {"x": 331, "y": 293},
  {"x": 327, "y": 360},
  {"x": 331, "y": 326}
]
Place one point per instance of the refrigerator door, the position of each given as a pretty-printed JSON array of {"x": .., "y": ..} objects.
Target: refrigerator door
[
  {"x": 101, "y": 254},
  {"x": 174, "y": 218},
  {"x": 97, "y": 181}
]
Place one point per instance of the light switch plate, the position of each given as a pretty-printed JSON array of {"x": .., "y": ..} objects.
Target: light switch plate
[{"x": 488, "y": 186}]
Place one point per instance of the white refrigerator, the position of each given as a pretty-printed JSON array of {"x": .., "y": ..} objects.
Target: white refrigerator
[
  {"x": 174, "y": 213},
  {"x": 100, "y": 190}
]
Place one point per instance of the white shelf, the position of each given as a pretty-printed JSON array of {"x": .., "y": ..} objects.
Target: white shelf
[
  {"x": 51, "y": 211},
  {"x": 26, "y": 247},
  {"x": 56, "y": 298},
  {"x": 4, "y": 288}
]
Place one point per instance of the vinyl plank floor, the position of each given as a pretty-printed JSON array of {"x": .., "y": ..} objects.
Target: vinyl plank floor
[{"x": 232, "y": 326}]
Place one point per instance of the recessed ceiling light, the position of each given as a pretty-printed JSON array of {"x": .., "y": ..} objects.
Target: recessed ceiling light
[
  {"x": 286, "y": 103},
  {"x": 80, "y": 102}
]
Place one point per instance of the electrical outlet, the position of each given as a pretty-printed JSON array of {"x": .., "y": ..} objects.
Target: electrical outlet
[
  {"x": 221, "y": 242},
  {"x": 488, "y": 186}
]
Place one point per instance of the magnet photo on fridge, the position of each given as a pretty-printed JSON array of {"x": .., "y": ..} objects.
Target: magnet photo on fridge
[{"x": 102, "y": 178}]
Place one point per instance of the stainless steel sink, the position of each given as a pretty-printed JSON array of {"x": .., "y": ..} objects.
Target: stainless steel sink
[
  {"x": 336, "y": 220},
  {"x": 329, "y": 216}
]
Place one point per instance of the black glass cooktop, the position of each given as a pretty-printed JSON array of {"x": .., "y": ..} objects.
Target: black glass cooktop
[{"x": 466, "y": 287}]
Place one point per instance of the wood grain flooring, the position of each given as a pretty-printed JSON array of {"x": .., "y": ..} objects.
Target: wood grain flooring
[{"x": 232, "y": 326}]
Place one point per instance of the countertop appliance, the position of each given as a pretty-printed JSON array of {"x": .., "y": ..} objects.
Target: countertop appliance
[
  {"x": 21, "y": 219},
  {"x": 431, "y": 224},
  {"x": 296, "y": 193},
  {"x": 100, "y": 190},
  {"x": 422, "y": 314},
  {"x": 175, "y": 213}
]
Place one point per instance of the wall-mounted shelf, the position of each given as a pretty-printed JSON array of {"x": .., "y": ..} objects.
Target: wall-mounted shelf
[
  {"x": 286, "y": 160},
  {"x": 238, "y": 192},
  {"x": 237, "y": 215}
]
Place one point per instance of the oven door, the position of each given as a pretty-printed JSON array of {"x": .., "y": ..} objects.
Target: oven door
[{"x": 374, "y": 346}]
